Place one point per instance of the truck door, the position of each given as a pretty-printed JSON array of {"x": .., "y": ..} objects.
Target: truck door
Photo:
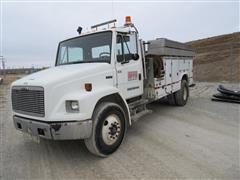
[
  {"x": 129, "y": 71},
  {"x": 168, "y": 75}
]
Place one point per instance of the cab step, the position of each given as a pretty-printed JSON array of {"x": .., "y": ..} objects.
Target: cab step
[
  {"x": 138, "y": 115},
  {"x": 138, "y": 103},
  {"x": 138, "y": 109}
]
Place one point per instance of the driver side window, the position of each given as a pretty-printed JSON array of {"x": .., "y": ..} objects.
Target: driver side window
[
  {"x": 119, "y": 49},
  {"x": 126, "y": 50},
  {"x": 126, "y": 47}
]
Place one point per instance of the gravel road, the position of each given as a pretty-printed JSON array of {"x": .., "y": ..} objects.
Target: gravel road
[{"x": 199, "y": 140}]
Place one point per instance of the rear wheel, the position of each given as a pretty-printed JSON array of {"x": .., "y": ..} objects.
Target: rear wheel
[
  {"x": 171, "y": 99},
  {"x": 108, "y": 129},
  {"x": 181, "y": 96}
]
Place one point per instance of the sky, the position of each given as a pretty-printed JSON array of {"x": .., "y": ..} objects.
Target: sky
[{"x": 31, "y": 31}]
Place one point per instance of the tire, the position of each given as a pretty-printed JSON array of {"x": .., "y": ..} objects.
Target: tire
[
  {"x": 226, "y": 91},
  {"x": 181, "y": 96},
  {"x": 171, "y": 99},
  {"x": 224, "y": 96},
  {"x": 109, "y": 128}
]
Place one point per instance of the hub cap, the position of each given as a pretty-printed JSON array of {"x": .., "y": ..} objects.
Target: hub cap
[{"x": 111, "y": 129}]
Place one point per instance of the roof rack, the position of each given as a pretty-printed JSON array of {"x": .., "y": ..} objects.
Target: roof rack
[{"x": 104, "y": 23}]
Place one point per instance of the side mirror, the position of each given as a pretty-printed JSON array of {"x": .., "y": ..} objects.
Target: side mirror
[
  {"x": 135, "y": 56},
  {"x": 120, "y": 58}
]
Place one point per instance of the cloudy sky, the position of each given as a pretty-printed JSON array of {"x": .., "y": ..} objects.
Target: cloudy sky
[{"x": 30, "y": 31}]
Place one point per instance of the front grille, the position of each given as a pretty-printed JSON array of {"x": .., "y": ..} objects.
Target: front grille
[{"x": 28, "y": 100}]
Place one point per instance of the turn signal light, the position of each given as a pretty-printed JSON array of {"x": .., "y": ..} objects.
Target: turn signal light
[
  {"x": 88, "y": 86},
  {"x": 128, "y": 20}
]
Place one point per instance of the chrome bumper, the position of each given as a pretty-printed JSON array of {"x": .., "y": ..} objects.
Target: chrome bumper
[{"x": 54, "y": 130}]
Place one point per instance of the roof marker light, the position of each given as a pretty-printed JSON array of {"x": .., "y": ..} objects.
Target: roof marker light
[{"x": 88, "y": 87}]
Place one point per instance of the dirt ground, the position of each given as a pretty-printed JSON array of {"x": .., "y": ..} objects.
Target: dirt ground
[{"x": 200, "y": 140}]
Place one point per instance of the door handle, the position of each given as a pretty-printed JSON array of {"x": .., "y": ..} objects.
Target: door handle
[{"x": 140, "y": 76}]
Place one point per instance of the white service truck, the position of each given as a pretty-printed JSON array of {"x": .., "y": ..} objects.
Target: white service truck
[{"x": 101, "y": 83}]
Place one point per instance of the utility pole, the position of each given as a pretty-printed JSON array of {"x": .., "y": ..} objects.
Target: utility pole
[{"x": 3, "y": 65}]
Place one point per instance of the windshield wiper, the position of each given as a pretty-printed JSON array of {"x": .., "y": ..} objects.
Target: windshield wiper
[{"x": 89, "y": 61}]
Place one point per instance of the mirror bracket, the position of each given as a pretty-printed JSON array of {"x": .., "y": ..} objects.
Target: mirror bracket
[{"x": 135, "y": 56}]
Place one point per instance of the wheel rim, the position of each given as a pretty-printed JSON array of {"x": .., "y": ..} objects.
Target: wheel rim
[
  {"x": 111, "y": 129},
  {"x": 185, "y": 93}
]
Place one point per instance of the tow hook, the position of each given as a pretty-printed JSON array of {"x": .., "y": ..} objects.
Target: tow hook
[{"x": 56, "y": 127}]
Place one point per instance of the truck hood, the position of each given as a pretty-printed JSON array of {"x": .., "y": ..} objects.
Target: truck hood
[{"x": 62, "y": 73}]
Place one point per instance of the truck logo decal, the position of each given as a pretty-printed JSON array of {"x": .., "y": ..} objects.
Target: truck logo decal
[{"x": 132, "y": 75}]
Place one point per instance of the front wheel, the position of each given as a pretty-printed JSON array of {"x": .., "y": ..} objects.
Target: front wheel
[{"x": 108, "y": 129}]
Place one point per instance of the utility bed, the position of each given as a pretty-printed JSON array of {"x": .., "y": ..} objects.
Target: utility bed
[
  {"x": 167, "y": 62},
  {"x": 166, "y": 47}
]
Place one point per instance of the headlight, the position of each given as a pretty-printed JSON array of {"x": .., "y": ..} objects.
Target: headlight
[{"x": 72, "y": 106}]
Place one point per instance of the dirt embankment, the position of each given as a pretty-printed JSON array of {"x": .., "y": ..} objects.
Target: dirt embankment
[{"x": 217, "y": 58}]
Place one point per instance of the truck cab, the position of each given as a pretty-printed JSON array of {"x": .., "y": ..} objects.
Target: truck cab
[{"x": 95, "y": 91}]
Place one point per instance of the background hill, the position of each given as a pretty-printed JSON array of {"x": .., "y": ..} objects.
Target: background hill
[{"x": 217, "y": 58}]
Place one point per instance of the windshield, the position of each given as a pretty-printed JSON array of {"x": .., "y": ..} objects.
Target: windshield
[{"x": 86, "y": 49}]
